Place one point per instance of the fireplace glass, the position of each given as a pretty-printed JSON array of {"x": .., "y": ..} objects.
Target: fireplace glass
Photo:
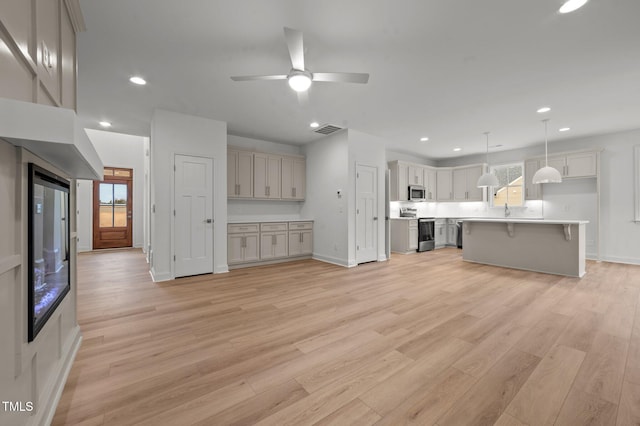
[{"x": 49, "y": 239}]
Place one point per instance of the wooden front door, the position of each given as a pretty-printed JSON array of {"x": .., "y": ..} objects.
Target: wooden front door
[{"x": 112, "y": 209}]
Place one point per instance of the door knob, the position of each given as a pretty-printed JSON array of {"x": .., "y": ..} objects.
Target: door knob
[
  {"x": 375, "y": 218},
  {"x": 208, "y": 221}
]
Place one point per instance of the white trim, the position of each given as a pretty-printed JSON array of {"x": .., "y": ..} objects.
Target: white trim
[
  {"x": 156, "y": 278},
  {"x": 332, "y": 260},
  {"x": 75, "y": 15},
  {"x": 10, "y": 262},
  {"x": 626, "y": 260},
  {"x": 49, "y": 411},
  {"x": 636, "y": 168}
]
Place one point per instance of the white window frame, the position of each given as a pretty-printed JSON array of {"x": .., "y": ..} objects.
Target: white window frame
[
  {"x": 507, "y": 165},
  {"x": 636, "y": 164}
]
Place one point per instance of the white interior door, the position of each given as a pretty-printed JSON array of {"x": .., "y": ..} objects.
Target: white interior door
[
  {"x": 193, "y": 226},
  {"x": 366, "y": 213}
]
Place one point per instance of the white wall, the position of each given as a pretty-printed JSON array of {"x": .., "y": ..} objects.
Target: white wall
[
  {"x": 115, "y": 150},
  {"x": 173, "y": 133},
  {"x": 328, "y": 172},
  {"x": 401, "y": 156},
  {"x": 29, "y": 372},
  {"x": 367, "y": 150},
  {"x": 247, "y": 210}
]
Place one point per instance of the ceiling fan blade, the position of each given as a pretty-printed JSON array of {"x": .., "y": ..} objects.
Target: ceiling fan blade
[
  {"x": 259, "y": 77},
  {"x": 296, "y": 47},
  {"x": 341, "y": 77}
]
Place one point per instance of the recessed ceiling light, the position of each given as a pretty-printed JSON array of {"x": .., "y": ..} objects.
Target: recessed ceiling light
[
  {"x": 105, "y": 124},
  {"x": 571, "y": 5},
  {"x": 457, "y": 149},
  {"x": 564, "y": 129},
  {"x": 543, "y": 109},
  {"x": 314, "y": 125},
  {"x": 424, "y": 139},
  {"x": 138, "y": 80}
]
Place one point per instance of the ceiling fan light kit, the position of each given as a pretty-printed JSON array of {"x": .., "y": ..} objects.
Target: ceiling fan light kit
[
  {"x": 546, "y": 174},
  {"x": 299, "y": 78}
]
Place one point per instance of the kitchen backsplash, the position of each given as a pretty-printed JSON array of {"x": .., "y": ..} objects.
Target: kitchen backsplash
[{"x": 533, "y": 209}]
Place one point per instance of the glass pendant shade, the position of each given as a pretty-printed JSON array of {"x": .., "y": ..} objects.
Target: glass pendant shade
[
  {"x": 487, "y": 179},
  {"x": 546, "y": 174}
]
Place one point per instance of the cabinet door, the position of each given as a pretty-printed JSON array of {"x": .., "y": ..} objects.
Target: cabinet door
[
  {"x": 287, "y": 178},
  {"x": 441, "y": 234},
  {"x": 280, "y": 244},
  {"x": 274, "y": 176},
  {"x": 415, "y": 175},
  {"x": 460, "y": 184},
  {"x": 232, "y": 173},
  {"x": 473, "y": 192},
  {"x": 444, "y": 190},
  {"x": 244, "y": 174},
  {"x": 582, "y": 164},
  {"x": 260, "y": 165},
  {"x": 430, "y": 183},
  {"x": 251, "y": 252},
  {"x": 413, "y": 237},
  {"x": 299, "y": 178},
  {"x": 235, "y": 248},
  {"x": 403, "y": 182},
  {"x": 557, "y": 163},
  {"x": 531, "y": 191},
  {"x": 306, "y": 242},
  {"x": 266, "y": 245},
  {"x": 451, "y": 235},
  {"x": 294, "y": 243}
]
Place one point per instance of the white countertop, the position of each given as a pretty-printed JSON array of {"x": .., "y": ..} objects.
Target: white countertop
[{"x": 528, "y": 220}]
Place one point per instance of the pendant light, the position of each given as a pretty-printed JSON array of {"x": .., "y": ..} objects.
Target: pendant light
[
  {"x": 487, "y": 179},
  {"x": 546, "y": 174}
]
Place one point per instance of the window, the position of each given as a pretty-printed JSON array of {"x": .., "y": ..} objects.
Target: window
[{"x": 511, "y": 188}]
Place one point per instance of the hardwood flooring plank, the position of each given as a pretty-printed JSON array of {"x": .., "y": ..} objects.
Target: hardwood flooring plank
[
  {"x": 581, "y": 408},
  {"x": 485, "y": 402},
  {"x": 355, "y": 413},
  {"x": 539, "y": 400},
  {"x": 581, "y": 331},
  {"x": 629, "y": 409},
  {"x": 543, "y": 335},
  {"x": 507, "y": 420},
  {"x": 602, "y": 371}
]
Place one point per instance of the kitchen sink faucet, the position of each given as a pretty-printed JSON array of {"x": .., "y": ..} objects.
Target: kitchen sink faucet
[{"x": 507, "y": 212}]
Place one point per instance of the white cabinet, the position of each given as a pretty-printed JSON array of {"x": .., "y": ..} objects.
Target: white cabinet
[
  {"x": 444, "y": 184},
  {"x": 440, "y": 230},
  {"x": 274, "y": 240},
  {"x": 465, "y": 180},
  {"x": 398, "y": 181},
  {"x": 242, "y": 243},
  {"x": 574, "y": 165},
  {"x": 430, "y": 179},
  {"x": 293, "y": 178},
  {"x": 239, "y": 174},
  {"x": 267, "y": 175},
  {"x": 531, "y": 191},
  {"x": 452, "y": 232},
  {"x": 404, "y": 235},
  {"x": 300, "y": 238},
  {"x": 415, "y": 175}
]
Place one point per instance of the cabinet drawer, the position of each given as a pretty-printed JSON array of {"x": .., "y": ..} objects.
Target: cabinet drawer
[
  {"x": 413, "y": 223},
  {"x": 242, "y": 227},
  {"x": 273, "y": 227},
  {"x": 300, "y": 225}
]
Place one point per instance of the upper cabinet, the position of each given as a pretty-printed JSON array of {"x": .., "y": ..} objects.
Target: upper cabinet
[
  {"x": 444, "y": 184},
  {"x": 430, "y": 181},
  {"x": 293, "y": 178},
  {"x": 398, "y": 181},
  {"x": 239, "y": 174},
  {"x": 262, "y": 176},
  {"x": 465, "y": 180},
  {"x": 415, "y": 175},
  {"x": 267, "y": 176},
  {"x": 579, "y": 164},
  {"x": 532, "y": 191}
]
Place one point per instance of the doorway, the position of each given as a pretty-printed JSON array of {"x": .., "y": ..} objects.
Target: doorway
[
  {"x": 112, "y": 209},
  {"x": 366, "y": 213}
]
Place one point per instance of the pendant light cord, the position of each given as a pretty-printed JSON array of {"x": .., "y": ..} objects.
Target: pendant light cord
[
  {"x": 487, "y": 155},
  {"x": 546, "y": 154}
]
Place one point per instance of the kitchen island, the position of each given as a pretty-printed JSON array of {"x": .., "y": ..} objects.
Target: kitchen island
[{"x": 550, "y": 246}]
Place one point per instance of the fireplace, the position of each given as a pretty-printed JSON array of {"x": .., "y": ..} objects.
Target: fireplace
[{"x": 49, "y": 278}]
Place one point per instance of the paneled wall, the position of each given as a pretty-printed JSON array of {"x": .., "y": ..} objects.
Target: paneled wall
[{"x": 38, "y": 51}]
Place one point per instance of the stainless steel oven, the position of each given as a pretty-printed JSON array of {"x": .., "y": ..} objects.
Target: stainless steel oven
[{"x": 426, "y": 233}]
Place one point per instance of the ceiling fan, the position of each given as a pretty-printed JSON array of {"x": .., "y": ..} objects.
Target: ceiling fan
[{"x": 300, "y": 78}]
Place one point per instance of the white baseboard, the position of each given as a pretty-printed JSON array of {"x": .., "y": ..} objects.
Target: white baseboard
[
  {"x": 382, "y": 258},
  {"x": 158, "y": 277},
  {"x": 627, "y": 260},
  {"x": 45, "y": 416},
  {"x": 221, "y": 269},
  {"x": 332, "y": 260}
]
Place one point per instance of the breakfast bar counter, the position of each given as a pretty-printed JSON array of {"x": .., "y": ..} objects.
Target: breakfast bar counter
[{"x": 550, "y": 246}]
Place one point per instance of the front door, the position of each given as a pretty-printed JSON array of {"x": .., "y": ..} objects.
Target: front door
[
  {"x": 366, "y": 213},
  {"x": 112, "y": 209},
  {"x": 193, "y": 226}
]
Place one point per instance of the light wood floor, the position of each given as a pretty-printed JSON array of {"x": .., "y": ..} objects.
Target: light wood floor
[{"x": 422, "y": 339}]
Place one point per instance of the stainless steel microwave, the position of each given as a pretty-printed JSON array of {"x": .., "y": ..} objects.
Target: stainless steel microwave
[{"x": 417, "y": 193}]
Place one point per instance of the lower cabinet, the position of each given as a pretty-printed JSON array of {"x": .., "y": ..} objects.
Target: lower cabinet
[
  {"x": 440, "y": 230},
  {"x": 404, "y": 235},
  {"x": 255, "y": 243}
]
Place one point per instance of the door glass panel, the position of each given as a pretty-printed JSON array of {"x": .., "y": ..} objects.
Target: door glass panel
[
  {"x": 108, "y": 172},
  {"x": 125, "y": 173},
  {"x": 106, "y": 205},
  {"x": 119, "y": 204}
]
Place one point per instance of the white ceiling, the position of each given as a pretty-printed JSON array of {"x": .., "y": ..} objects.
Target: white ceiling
[{"x": 445, "y": 69}]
